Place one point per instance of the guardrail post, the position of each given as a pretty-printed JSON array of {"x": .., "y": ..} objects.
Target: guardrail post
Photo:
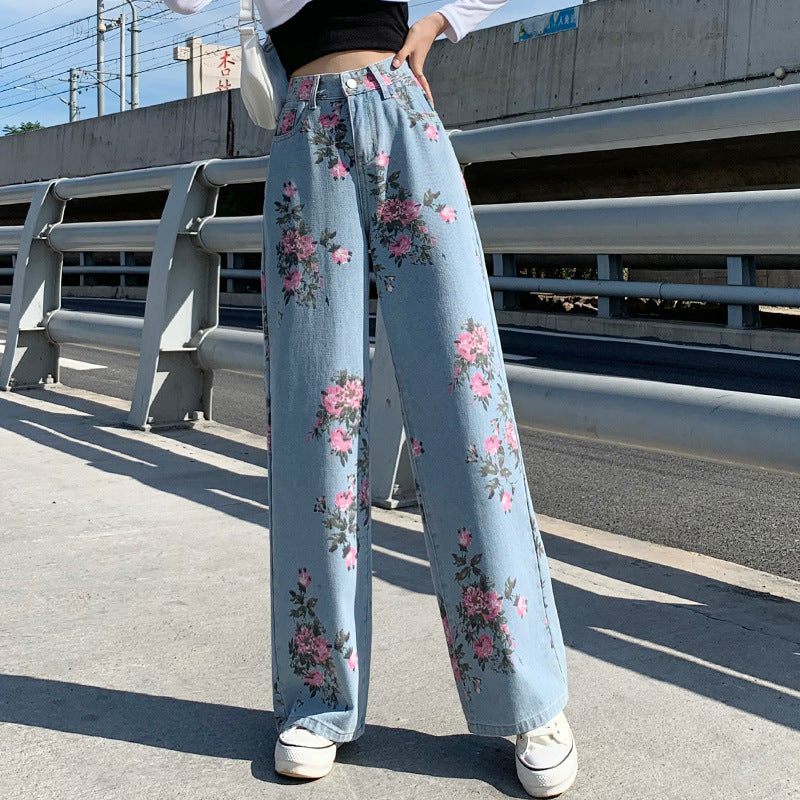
[
  {"x": 609, "y": 268},
  {"x": 391, "y": 476},
  {"x": 742, "y": 272},
  {"x": 505, "y": 265},
  {"x": 31, "y": 357},
  {"x": 182, "y": 308}
]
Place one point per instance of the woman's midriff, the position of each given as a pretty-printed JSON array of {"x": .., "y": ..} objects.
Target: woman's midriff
[{"x": 341, "y": 61}]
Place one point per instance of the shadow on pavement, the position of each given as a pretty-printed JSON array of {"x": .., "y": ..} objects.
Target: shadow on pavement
[{"x": 714, "y": 638}]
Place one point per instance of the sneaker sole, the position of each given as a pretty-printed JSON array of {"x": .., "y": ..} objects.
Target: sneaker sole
[
  {"x": 549, "y": 782},
  {"x": 303, "y": 762}
]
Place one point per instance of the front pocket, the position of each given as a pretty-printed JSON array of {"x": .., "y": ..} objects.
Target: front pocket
[{"x": 290, "y": 119}]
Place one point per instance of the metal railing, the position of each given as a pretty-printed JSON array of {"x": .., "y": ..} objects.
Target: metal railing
[{"x": 180, "y": 344}]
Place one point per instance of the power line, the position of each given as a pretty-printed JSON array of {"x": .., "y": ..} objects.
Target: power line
[
  {"x": 39, "y": 14},
  {"x": 141, "y": 52}
]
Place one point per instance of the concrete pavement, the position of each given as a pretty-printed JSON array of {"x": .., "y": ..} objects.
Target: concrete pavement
[{"x": 134, "y": 650}]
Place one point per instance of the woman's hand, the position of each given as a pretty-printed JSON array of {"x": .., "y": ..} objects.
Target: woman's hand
[{"x": 418, "y": 41}]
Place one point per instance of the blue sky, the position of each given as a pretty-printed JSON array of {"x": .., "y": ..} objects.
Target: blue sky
[{"x": 40, "y": 40}]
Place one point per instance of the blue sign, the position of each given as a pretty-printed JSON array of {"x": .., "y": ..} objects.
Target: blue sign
[{"x": 564, "y": 19}]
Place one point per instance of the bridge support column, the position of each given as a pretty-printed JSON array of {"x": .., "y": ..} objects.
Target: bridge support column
[
  {"x": 182, "y": 307},
  {"x": 31, "y": 357},
  {"x": 742, "y": 272},
  {"x": 505, "y": 265},
  {"x": 609, "y": 268},
  {"x": 391, "y": 477}
]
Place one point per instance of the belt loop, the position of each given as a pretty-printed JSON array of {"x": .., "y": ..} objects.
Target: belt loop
[
  {"x": 314, "y": 88},
  {"x": 384, "y": 88}
]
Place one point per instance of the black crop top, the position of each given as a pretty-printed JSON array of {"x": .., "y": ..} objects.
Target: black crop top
[{"x": 326, "y": 26}]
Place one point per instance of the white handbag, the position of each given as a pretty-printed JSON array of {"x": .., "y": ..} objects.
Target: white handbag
[{"x": 263, "y": 77}]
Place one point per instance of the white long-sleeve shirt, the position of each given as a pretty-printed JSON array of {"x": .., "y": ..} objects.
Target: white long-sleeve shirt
[{"x": 463, "y": 15}]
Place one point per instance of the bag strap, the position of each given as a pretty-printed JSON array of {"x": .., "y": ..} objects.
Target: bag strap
[{"x": 247, "y": 17}]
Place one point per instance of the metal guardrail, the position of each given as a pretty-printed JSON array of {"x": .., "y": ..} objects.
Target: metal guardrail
[{"x": 180, "y": 344}]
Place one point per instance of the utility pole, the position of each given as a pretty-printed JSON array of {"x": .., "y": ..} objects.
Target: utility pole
[
  {"x": 134, "y": 56},
  {"x": 73, "y": 95},
  {"x": 101, "y": 29},
  {"x": 122, "y": 61}
]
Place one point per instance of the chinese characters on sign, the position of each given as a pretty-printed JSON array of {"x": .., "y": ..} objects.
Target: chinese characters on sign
[
  {"x": 562, "y": 20},
  {"x": 210, "y": 67}
]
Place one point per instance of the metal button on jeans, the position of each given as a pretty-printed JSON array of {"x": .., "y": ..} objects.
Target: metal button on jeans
[{"x": 352, "y": 83}]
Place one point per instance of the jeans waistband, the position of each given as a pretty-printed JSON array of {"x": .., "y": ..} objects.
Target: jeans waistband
[{"x": 379, "y": 76}]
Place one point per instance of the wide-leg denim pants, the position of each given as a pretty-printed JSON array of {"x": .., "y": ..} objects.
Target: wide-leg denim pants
[{"x": 362, "y": 175}]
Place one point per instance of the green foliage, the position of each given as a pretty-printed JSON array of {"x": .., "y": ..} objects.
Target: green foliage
[{"x": 21, "y": 128}]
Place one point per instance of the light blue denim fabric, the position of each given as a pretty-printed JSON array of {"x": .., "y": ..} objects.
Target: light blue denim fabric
[{"x": 361, "y": 172}]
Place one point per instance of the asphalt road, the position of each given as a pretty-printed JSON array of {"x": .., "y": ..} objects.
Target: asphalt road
[{"x": 749, "y": 516}]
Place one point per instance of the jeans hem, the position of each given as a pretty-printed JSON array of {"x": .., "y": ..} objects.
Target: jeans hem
[
  {"x": 323, "y": 729},
  {"x": 521, "y": 726}
]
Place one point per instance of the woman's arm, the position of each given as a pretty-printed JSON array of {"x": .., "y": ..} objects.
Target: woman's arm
[
  {"x": 464, "y": 15},
  {"x": 186, "y": 6},
  {"x": 455, "y": 20}
]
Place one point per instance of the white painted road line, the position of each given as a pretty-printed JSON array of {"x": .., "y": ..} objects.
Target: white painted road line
[
  {"x": 70, "y": 363},
  {"x": 67, "y": 363}
]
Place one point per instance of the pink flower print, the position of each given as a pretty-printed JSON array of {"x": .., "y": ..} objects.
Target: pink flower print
[
  {"x": 352, "y": 662},
  {"x": 304, "y": 640},
  {"x": 480, "y": 386},
  {"x": 505, "y": 501},
  {"x": 322, "y": 649},
  {"x": 511, "y": 437},
  {"x": 289, "y": 189},
  {"x": 304, "y": 90},
  {"x": 416, "y": 448},
  {"x": 416, "y": 80},
  {"x": 400, "y": 246},
  {"x": 329, "y": 120},
  {"x": 303, "y": 578},
  {"x": 288, "y": 120},
  {"x": 350, "y": 558},
  {"x": 263, "y": 282},
  {"x": 472, "y": 600},
  {"x": 492, "y": 444},
  {"x": 456, "y": 371},
  {"x": 432, "y": 133},
  {"x": 448, "y": 634},
  {"x": 352, "y": 394},
  {"x": 332, "y": 399},
  {"x": 505, "y": 629},
  {"x": 464, "y": 346},
  {"x": 382, "y": 159},
  {"x": 344, "y": 499},
  {"x": 363, "y": 493},
  {"x": 305, "y": 246},
  {"x": 448, "y": 214},
  {"x": 290, "y": 240},
  {"x": 409, "y": 211},
  {"x": 340, "y": 441},
  {"x": 386, "y": 79},
  {"x": 314, "y": 678},
  {"x": 340, "y": 255},
  {"x": 369, "y": 81},
  {"x": 480, "y": 340},
  {"x": 454, "y": 665},
  {"x": 522, "y": 606},
  {"x": 464, "y": 538},
  {"x": 483, "y": 647},
  {"x": 292, "y": 280},
  {"x": 338, "y": 170},
  {"x": 492, "y": 603}
]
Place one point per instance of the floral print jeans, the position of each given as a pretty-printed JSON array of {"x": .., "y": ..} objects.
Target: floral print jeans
[{"x": 362, "y": 173}]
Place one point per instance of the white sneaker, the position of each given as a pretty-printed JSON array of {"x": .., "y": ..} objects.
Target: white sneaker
[
  {"x": 300, "y": 753},
  {"x": 546, "y": 758}
]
